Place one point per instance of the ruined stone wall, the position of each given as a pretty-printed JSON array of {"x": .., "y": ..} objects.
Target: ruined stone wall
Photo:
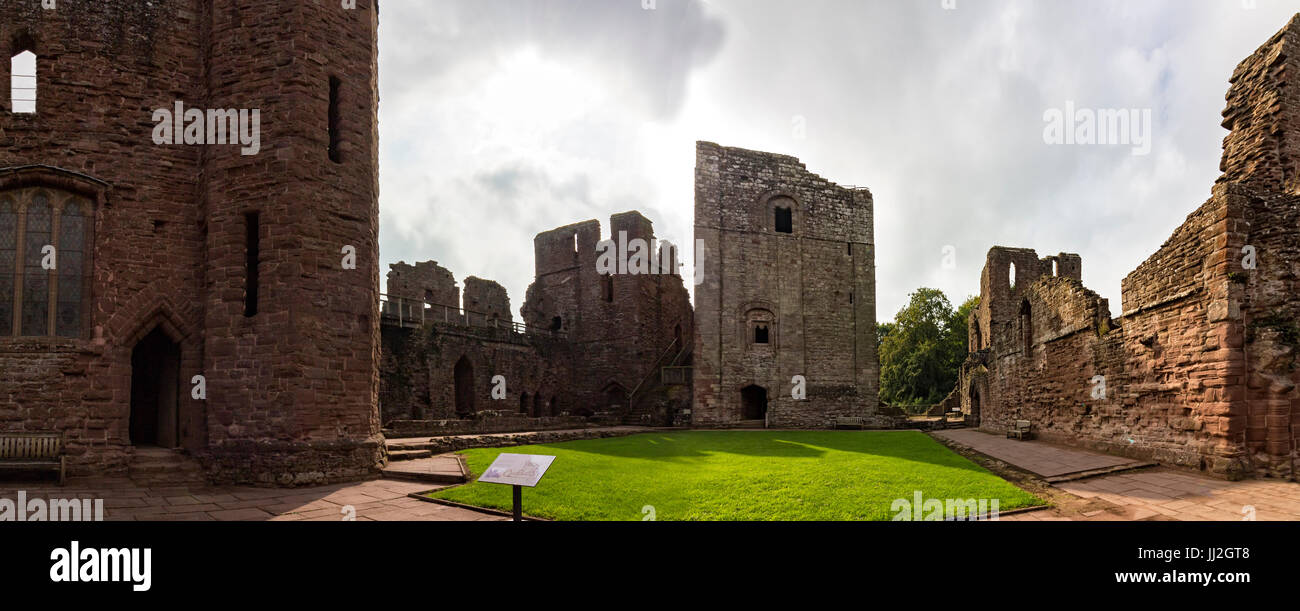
[
  {"x": 291, "y": 392},
  {"x": 1173, "y": 365},
  {"x": 425, "y": 281},
  {"x": 621, "y": 326},
  {"x": 813, "y": 289},
  {"x": 1262, "y": 149},
  {"x": 419, "y": 381},
  {"x": 487, "y": 300},
  {"x": 1200, "y": 371}
]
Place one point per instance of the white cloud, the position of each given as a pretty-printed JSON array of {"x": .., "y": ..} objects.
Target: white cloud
[{"x": 504, "y": 118}]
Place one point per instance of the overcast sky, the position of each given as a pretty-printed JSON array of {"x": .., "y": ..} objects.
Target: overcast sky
[{"x": 500, "y": 119}]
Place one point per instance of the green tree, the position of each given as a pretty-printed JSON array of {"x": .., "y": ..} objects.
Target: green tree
[{"x": 922, "y": 351}]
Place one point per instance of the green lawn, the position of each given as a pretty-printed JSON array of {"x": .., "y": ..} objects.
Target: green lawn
[{"x": 761, "y": 475}]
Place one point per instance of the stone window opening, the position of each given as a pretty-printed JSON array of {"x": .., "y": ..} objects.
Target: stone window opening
[
  {"x": 784, "y": 220},
  {"x": 22, "y": 82},
  {"x": 1027, "y": 325},
  {"x": 557, "y": 323},
  {"x": 1056, "y": 268},
  {"x": 607, "y": 290},
  {"x": 252, "y": 252},
  {"x": 46, "y": 239},
  {"x": 759, "y": 331},
  {"x": 1011, "y": 276},
  {"x": 334, "y": 119}
]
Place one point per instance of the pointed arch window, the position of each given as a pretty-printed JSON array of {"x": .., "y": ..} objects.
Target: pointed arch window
[{"x": 45, "y": 270}]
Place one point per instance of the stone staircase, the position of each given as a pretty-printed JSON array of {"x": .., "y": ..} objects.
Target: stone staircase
[{"x": 161, "y": 467}]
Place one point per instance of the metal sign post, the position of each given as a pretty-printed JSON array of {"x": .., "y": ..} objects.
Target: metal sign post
[
  {"x": 519, "y": 503},
  {"x": 517, "y": 471}
]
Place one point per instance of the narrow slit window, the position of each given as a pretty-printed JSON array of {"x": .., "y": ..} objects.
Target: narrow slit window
[
  {"x": 22, "y": 82},
  {"x": 252, "y": 251},
  {"x": 608, "y": 289},
  {"x": 335, "y": 156},
  {"x": 784, "y": 220}
]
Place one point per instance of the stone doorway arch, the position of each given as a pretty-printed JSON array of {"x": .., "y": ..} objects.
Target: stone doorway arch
[{"x": 155, "y": 391}]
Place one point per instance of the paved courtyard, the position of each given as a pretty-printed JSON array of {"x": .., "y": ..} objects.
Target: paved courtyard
[
  {"x": 1142, "y": 494},
  {"x": 381, "y": 499},
  {"x": 1036, "y": 457}
]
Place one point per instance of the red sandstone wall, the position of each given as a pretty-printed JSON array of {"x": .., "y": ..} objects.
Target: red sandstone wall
[
  {"x": 291, "y": 393},
  {"x": 102, "y": 68},
  {"x": 1263, "y": 114},
  {"x": 294, "y": 388}
]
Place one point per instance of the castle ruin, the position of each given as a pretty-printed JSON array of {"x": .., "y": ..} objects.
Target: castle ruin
[{"x": 1200, "y": 369}]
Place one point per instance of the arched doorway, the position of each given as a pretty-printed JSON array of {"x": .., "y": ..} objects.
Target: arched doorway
[
  {"x": 523, "y": 404},
  {"x": 155, "y": 391},
  {"x": 464, "y": 376},
  {"x": 753, "y": 403},
  {"x": 973, "y": 419},
  {"x": 615, "y": 398}
]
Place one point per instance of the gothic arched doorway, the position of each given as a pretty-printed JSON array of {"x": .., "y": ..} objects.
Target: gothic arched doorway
[{"x": 155, "y": 391}]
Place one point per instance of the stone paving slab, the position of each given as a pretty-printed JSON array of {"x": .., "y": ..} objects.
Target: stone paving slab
[
  {"x": 1149, "y": 494},
  {"x": 381, "y": 499},
  {"x": 1034, "y": 456},
  {"x": 443, "y": 469},
  {"x": 1166, "y": 494}
]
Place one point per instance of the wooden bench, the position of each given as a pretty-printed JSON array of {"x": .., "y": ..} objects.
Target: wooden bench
[
  {"x": 32, "y": 452},
  {"x": 851, "y": 423},
  {"x": 1020, "y": 429}
]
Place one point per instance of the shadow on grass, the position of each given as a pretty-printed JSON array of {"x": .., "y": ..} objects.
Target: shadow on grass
[{"x": 903, "y": 445}]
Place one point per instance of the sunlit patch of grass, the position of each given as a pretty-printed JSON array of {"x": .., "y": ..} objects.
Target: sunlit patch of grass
[{"x": 741, "y": 475}]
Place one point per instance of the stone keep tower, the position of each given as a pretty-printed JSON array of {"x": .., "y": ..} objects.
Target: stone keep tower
[
  {"x": 788, "y": 290},
  {"x": 179, "y": 260}
]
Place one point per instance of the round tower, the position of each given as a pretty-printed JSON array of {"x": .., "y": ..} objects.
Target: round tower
[{"x": 290, "y": 214}]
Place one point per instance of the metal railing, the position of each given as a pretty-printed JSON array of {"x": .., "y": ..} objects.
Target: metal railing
[
  {"x": 677, "y": 376},
  {"x": 411, "y": 312}
]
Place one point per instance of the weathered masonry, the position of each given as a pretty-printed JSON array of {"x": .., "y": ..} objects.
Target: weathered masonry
[
  {"x": 787, "y": 261},
  {"x": 1200, "y": 370},
  {"x": 180, "y": 261},
  {"x": 592, "y": 346}
]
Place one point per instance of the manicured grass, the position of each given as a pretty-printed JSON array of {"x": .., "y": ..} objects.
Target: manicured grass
[{"x": 759, "y": 475}]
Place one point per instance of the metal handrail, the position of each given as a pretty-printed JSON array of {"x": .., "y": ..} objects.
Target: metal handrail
[
  {"x": 452, "y": 315},
  {"x": 631, "y": 397}
]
